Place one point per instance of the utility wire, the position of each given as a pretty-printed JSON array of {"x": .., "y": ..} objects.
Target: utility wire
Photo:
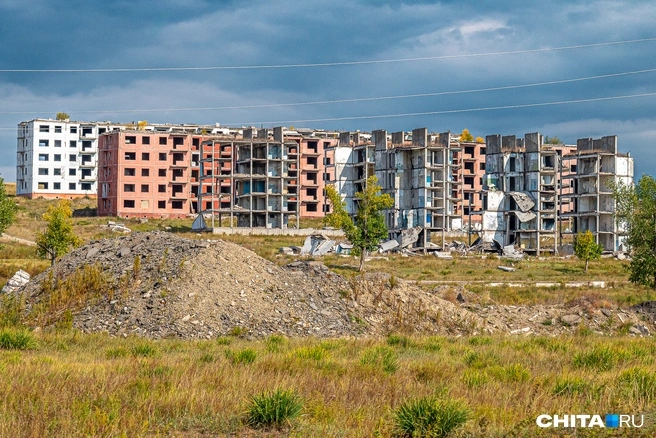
[
  {"x": 426, "y": 113},
  {"x": 360, "y": 99},
  {"x": 465, "y": 110},
  {"x": 322, "y": 64}
]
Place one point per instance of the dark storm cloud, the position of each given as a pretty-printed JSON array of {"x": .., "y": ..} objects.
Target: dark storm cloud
[{"x": 183, "y": 33}]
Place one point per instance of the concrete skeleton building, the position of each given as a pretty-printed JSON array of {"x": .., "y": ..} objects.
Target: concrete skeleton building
[
  {"x": 532, "y": 188},
  {"x": 598, "y": 165}
]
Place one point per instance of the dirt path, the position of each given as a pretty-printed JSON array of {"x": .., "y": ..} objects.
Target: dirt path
[{"x": 19, "y": 240}]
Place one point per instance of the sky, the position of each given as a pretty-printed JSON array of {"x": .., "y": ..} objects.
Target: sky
[{"x": 438, "y": 49}]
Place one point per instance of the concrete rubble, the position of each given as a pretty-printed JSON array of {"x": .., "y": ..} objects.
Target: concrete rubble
[{"x": 18, "y": 280}]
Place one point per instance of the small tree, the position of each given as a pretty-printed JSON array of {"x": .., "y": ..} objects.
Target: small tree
[
  {"x": 636, "y": 212},
  {"x": 63, "y": 116},
  {"x": 368, "y": 229},
  {"x": 466, "y": 136},
  {"x": 480, "y": 140},
  {"x": 58, "y": 237},
  {"x": 7, "y": 209},
  {"x": 586, "y": 248},
  {"x": 141, "y": 124}
]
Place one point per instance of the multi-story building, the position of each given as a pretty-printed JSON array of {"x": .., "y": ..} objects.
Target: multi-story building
[
  {"x": 58, "y": 158},
  {"x": 423, "y": 174},
  {"x": 522, "y": 193},
  {"x": 145, "y": 173},
  {"x": 598, "y": 165}
]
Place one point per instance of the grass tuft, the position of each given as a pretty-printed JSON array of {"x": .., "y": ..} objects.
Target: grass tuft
[
  {"x": 429, "y": 417},
  {"x": 380, "y": 357},
  {"x": 599, "y": 358},
  {"x": 245, "y": 356},
  {"x": 273, "y": 409},
  {"x": 12, "y": 339},
  {"x": 143, "y": 350}
]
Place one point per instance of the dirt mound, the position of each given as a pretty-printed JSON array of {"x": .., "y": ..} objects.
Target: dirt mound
[{"x": 160, "y": 285}]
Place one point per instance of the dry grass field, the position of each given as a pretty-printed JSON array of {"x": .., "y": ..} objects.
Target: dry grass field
[{"x": 70, "y": 384}]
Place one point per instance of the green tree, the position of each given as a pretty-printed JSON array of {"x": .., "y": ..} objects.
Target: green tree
[
  {"x": 63, "y": 116},
  {"x": 552, "y": 140},
  {"x": 466, "y": 136},
  {"x": 635, "y": 208},
  {"x": 58, "y": 237},
  {"x": 368, "y": 228},
  {"x": 7, "y": 208},
  {"x": 586, "y": 248}
]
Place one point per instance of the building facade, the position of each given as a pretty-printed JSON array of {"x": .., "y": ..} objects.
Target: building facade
[
  {"x": 598, "y": 166},
  {"x": 145, "y": 174},
  {"x": 58, "y": 158}
]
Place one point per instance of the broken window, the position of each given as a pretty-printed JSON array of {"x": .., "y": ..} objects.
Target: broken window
[
  {"x": 128, "y": 203},
  {"x": 73, "y": 129},
  {"x": 130, "y": 139},
  {"x": 129, "y": 156},
  {"x": 512, "y": 164}
]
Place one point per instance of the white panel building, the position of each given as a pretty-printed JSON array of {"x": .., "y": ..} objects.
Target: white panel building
[{"x": 58, "y": 158}]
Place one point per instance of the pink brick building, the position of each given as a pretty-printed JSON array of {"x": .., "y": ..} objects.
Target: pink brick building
[{"x": 145, "y": 174}]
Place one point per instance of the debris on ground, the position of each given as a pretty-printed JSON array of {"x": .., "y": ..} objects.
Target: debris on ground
[
  {"x": 510, "y": 252},
  {"x": 117, "y": 227},
  {"x": 18, "y": 280},
  {"x": 188, "y": 288},
  {"x": 506, "y": 268}
]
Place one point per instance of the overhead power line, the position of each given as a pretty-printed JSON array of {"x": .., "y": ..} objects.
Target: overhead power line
[
  {"x": 322, "y": 64},
  {"x": 427, "y": 113},
  {"x": 353, "y": 100}
]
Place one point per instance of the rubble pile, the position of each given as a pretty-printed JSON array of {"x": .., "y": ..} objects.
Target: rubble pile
[{"x": 202, "y": 289}]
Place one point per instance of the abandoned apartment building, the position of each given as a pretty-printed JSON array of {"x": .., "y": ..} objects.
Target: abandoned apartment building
[
  {"x": 598, "y": 165},
  {"x": 266, "y": 179},
  {"x": 533, "y": 189}
]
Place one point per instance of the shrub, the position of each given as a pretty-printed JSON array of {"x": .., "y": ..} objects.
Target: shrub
[
  {"x": 401, "y": 341},
  {"x": 115, "y": 353},
  {"x": 380, "y": 357},
  {"x": 429, "y": 417},
  {"x": 143, "y": 350},
  {"x": 474, "y": 379},
  {"x": 246, "y": 356},
  {"x": 570, "y": 386},
  {"x": 639, "y": 383},
  {"x": 223, "y": 340},
  {"x": 273, "y": 409},
  {"x": 16, "y": 340},
  {"x": 600, "y": 358},
  {"x": 511, "y": 373},
  {"x": 274, "y": 342},
  {"x": 316, "y": 353}
]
